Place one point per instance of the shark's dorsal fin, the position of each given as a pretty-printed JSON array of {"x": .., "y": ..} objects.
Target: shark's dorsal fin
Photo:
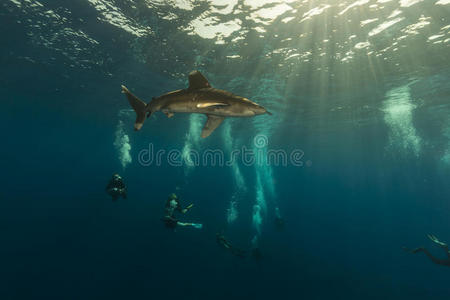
[
  {"x": 209, "y": 104},
  {"x": 211, "y": 124},
  {"x": 197, "y": 81}
]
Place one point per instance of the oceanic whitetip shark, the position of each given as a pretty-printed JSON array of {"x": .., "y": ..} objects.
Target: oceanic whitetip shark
[{"x": 200, "y": 98}]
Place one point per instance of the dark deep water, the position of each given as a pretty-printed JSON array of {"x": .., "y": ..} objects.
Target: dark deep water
[{"x": 369, "y": 108}]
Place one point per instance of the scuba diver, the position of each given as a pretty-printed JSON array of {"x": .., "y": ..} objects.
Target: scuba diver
[
  {"x": 226, "y": 244},
  {"x": 116, "y": 187},
  {"x": 172, "y": 205},
  {"x": 438, "y": 261}
]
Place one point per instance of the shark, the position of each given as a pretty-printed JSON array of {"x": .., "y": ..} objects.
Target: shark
[{"x": 199, "y": 98}]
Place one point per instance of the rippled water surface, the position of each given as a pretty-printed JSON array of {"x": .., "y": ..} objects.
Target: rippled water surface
[{"x": 360, "y": 88}]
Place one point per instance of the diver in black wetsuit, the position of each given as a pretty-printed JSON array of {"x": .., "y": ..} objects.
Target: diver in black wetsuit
[
  {"x": 438, "y": 261},
  {"x": 116, "y": 187},
  {"x": 226, "y": 244},
  {"x": 172, "y": 205}
]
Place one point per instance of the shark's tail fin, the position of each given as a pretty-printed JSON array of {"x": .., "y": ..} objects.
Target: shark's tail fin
[{"x": 139, "y": 107}]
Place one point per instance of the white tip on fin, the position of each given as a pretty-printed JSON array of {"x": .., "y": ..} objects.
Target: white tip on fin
[{"x": 211, "y": 124}]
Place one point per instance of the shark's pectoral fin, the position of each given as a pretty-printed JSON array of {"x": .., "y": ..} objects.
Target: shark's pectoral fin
[
  {"x": 211, "y": 124},
  {"x": 168, "y": 114},
  {"x": 198, "y": 81},
  {"x": 209, "y": 104}
]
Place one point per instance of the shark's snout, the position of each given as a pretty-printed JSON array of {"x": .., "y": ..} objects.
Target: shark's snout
[{"x": 259, "y": 110}]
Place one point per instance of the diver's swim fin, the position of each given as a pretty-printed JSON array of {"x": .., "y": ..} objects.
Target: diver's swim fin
[
  {"x": 196, "y": 225},
  {"x": 139, "y": 107}
]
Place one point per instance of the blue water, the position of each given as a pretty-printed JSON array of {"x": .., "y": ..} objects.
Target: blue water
[{"x": 360, "y": 87}]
